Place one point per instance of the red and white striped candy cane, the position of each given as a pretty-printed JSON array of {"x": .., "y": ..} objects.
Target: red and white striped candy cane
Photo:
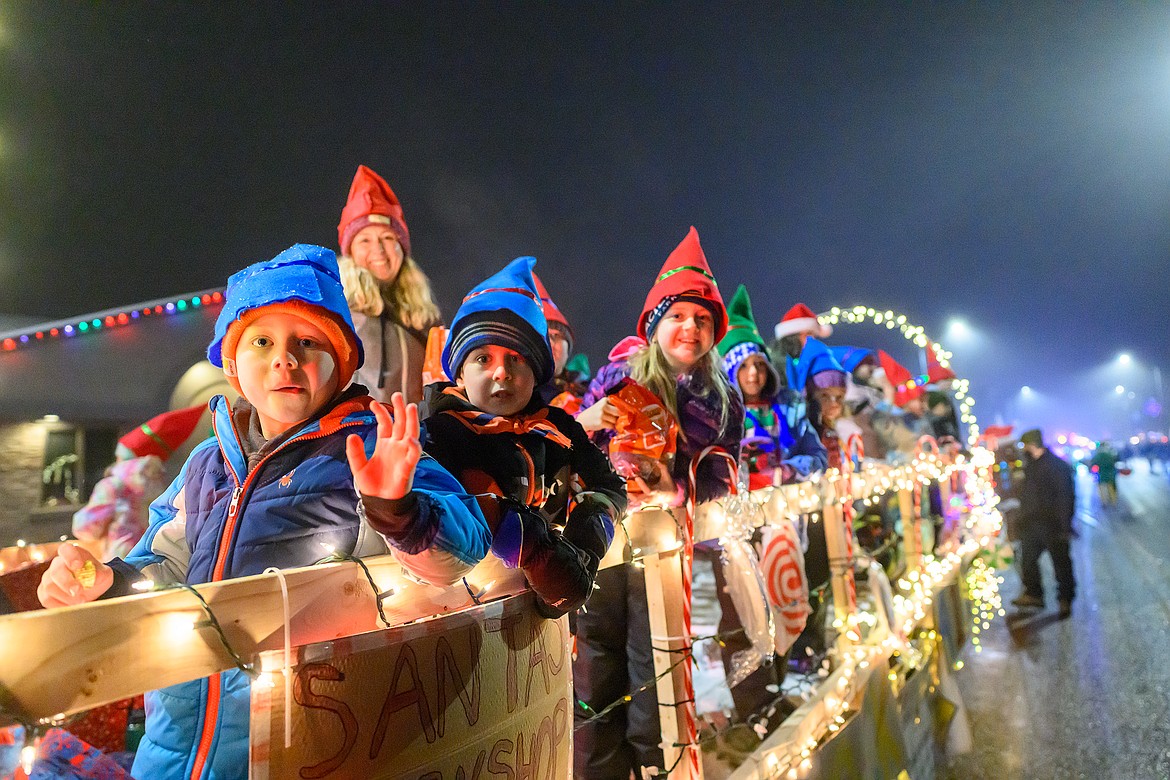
[
  {"x": 691, "y": 727},
  {"x": 852, "y": 444}
]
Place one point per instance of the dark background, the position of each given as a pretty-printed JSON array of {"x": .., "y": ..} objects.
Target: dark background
[{"x": 1006, "y": 164}]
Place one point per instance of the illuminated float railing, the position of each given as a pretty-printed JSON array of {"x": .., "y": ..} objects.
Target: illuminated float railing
[{"x": 284, "y": 626}]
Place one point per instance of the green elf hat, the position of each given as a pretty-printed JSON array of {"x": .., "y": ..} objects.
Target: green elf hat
[
  {"x": 741, "y": 325},
  {"x": 743, "y": 340}
]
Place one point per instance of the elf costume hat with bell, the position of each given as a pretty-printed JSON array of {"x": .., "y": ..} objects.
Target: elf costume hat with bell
[
  {"x": 817, "y": 366},
  {"x": 852, "y": 357},
  {"x": 935, "y": 371},
  {"x": 743, "y": 340},
  {"x": 552, "y": 313},
  {"x": 503, "y": 309},
  {"x": 802, "y": 319},
  {"x": 906, "y": 388},
  {"x": 371, "y": 202},
  {"x": 685, "y": 276},
  {"x": 162, "y": 434}
]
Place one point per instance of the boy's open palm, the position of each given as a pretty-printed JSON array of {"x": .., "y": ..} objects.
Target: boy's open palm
[{"x": 389, "y": 472}]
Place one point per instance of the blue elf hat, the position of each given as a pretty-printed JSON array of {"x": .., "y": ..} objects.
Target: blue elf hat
[
  {"x": 303, "y": 277},
  {"x": 815, "y": 360},
  {"x": 504, "y": 309},
  {"x": 852, "y": 357}
]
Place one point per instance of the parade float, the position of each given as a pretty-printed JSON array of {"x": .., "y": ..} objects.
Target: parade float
[{"x": 360, "y": 672}]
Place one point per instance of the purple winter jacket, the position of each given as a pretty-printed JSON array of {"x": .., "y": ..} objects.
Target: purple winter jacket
[{"x": 699, "y": 420}]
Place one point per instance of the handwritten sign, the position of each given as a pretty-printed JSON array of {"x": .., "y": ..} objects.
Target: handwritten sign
[{"x": 484, "y": 693}]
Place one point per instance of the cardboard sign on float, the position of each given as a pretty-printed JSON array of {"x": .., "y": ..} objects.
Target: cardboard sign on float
[{"x": 481, "y": 693}]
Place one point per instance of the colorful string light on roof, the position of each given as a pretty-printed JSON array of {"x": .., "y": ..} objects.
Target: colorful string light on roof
[
  {"x": 109, "y": 319},
  {"x": 916, "y": 334}
]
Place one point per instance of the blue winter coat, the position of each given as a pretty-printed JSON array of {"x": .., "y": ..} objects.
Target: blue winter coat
[{"x": 220, "y": 520}]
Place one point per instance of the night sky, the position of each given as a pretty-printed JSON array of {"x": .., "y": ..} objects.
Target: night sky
[{"x": 1007, "y": 165}]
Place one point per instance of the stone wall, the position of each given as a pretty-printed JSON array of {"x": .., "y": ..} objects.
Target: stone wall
[{"x": 22, "y": 453}]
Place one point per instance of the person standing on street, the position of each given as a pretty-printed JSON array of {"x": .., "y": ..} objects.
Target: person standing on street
[{"x": 1047, "y": 505}]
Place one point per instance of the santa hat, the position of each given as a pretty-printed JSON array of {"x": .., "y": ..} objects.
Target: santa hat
[
  {"x": 371, "y": 202},
  {"x": 743, "y": 340},
  {"x": 802, "y": 319},
  {"x": 505, "y": 310},
  {"x": 906, "y": 388},
  {"x": 817, "y": 365},
  {"x": 552, "y": 312},
  {"x": 684, "y": 276},
  {"x": 935, "y": 371},
  {"x": 164, "y": 433},
  {"x": 852, "y": 357},
  {"x": 303, "y": 280}
]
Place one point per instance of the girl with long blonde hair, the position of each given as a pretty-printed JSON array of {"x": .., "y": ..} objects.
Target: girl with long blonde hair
[{"x": 674, "y": 357}]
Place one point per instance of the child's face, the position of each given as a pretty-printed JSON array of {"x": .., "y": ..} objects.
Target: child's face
[
  {"x": 752, "y": 376},
  {"x": 685, "y": 334},
  {"x": 559, "y": 342},
  {"x": 376, "y": 248},
  {"x": 497, "y": 380},
  {"x": 287, "y": 370},
  {"x": 832, "y": 403}
]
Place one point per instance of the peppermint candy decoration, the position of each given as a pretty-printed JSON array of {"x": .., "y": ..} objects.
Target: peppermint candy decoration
[{"x": 782, "y": 564}]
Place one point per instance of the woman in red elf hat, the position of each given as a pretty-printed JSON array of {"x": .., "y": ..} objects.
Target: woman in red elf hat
[
  {"x": 682, "y": 320},
  {"x": 388, "y": 294}
]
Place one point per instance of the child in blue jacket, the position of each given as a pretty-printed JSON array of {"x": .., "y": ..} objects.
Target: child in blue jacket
[{"x": 276, "y": 487}]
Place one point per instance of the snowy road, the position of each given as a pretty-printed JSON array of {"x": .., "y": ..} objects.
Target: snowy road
[{"x": 1086, "y": 697}]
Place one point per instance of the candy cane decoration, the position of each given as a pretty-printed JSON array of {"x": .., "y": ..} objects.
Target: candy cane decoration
[
  {"x": 854, "y": 441},
  {"x": 688, "y": 555}
]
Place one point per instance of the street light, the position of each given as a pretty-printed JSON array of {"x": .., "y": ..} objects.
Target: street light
[{"x": 1124, "y": 359}]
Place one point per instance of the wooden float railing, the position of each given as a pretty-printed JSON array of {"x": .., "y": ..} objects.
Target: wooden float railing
[{"x": 54, "y": 663}]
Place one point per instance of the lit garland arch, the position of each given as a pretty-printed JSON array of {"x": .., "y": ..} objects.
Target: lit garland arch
[{"x": 916, "y": 334}]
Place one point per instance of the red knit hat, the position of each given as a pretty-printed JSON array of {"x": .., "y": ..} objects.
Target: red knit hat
[
  {"x": 906, "y": 389},
  {"x": 802, "y": 319},
  {"x": 935, "y": 372},
  {"x": 371, "y": 202},
  {"x": 551, "y": 312},
  {"x": 686, "y": 274},
  {"x": 163, "y": 434}
]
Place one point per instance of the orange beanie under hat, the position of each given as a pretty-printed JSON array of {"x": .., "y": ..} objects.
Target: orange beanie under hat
[{"x": 341, "y": 337}]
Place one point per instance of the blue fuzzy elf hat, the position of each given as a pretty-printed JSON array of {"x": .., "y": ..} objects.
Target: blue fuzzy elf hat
[{"x": 505, "y": 310}]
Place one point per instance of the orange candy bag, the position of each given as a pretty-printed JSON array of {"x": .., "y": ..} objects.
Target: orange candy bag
[{"x": 645, "y": 433}]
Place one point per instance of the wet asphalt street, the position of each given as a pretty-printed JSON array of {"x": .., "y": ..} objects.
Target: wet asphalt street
[{"x": 1086, "y": 697}]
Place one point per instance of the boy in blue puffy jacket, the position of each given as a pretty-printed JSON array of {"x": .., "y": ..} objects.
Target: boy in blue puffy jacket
[{"x": 276, "y": 487}]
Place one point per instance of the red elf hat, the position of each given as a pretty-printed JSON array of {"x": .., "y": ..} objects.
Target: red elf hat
[
  {"x": 686, "y": 274},
  {"x": 906, "y": 389},
  {"x": 371, "y": 202},
  {"x": 935, "y": 371},
  {"x": 164, "y": 433},
  {"x": 552, "y": 312}
]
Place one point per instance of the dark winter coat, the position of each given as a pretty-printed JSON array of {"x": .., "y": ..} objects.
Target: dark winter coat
[
  {"x": 1047, "y": 497},
  {"x": 699, "y": 415},
  {"x": 540, "y": 466}
]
